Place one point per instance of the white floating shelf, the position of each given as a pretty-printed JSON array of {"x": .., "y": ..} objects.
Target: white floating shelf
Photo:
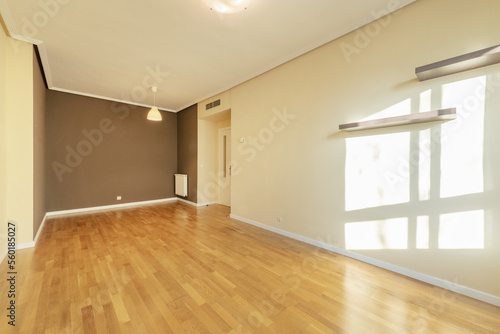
[
  {"x": 423, "y": 117},
  {"x": 469, "y": 61}
]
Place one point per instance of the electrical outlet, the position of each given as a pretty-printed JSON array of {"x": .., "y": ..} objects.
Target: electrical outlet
[
  {"x": 118, "y": 198},
  {"x": 279, "y": 219}
]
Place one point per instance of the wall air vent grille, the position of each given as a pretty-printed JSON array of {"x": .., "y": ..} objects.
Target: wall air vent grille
[{"x": 212, "y": 104}]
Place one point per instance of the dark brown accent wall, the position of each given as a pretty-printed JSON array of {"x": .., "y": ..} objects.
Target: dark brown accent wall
[
  {"x": 187, "y": 152},
  {"x": 97, "y": 150},
  {"x": 39, "y": 93}
]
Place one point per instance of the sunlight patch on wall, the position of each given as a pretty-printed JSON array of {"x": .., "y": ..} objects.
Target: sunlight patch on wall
[
  {"x": 462, "y": 230},
  {"x": 423, "y": 232},
  {"x": 377, "y": 171},
  {"x": 462, "y": 139},
  {"x": 424, "y": 170},
  {"x": 425, "y": 101},
  {"x": 381, "y": 234},
  {"x": 398, "y": 109}
]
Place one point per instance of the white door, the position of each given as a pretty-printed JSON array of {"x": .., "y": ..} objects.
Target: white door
[{"x": 225, "y": 166}]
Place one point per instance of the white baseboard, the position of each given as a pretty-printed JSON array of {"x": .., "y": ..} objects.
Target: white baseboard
[
  {"x": 83, "y": 210},
  {"x": 33, "y": 243},
  {"x": 186, "y": 201},
  {"x": 207, "y": 203},
  {"x": 26, "y": 244},
  {"x": 195, "y": 204},
  {"x": 479, "y": 295},
  {"x": 40, "y": 228},
  {"x": 110, "y": 207}
]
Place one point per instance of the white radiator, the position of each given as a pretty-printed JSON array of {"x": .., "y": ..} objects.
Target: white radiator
[{"x": 181, "y": 185}]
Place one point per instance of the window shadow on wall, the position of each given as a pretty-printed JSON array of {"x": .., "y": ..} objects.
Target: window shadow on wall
[{"x": 423, "y": 186}]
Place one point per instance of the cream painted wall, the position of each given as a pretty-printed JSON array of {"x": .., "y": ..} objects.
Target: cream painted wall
[
  {"x": 3, "y": 140},
  {"x": 207, "y": 162},
  {"x": 224, "y": 124},
  {"x": 293, "y": 162},
  {"x": 16, "y": 148}
]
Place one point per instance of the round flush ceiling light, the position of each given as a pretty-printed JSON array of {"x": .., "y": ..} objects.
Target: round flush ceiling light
[{"x": 228, "y": 6}]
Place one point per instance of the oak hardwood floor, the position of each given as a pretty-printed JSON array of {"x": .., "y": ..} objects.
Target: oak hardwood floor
[{"x": 174, "y": 268}]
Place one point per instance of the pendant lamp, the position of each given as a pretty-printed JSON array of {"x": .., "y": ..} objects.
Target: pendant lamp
[{"x": 154, "y": 113}]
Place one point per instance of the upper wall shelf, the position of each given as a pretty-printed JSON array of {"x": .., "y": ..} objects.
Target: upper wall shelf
[
  {"x": 469, "y": 61},
  {"x": 423, "y": 117}
]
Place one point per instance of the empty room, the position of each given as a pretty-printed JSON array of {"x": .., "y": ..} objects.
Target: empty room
[{"x": 249, "y": 166}]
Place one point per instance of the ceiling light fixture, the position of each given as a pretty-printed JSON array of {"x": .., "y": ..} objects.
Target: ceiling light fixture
[
  {"x": 154, "y": 113},
  {"x": 228, "y": 6}
]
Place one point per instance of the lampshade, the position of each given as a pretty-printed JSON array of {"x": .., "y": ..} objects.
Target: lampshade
[{"x": 154, "y": 114}]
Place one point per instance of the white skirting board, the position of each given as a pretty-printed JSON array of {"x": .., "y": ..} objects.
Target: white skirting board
[
  {"x": 186, "y": 201},
  {"x": 206, "y": 203},
  {"x": 26, "y": 244},
  {"x": 110, "y": 207},
  {"x": 84, "y": 210},
  {"x": 96, "y": 209},
  {"x": 196, "y": 204},
  {"x": 479, "y": 295}
]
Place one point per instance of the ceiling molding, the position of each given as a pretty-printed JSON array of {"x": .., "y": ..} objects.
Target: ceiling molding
[
  {"x": 7, "y": 18},
  {"x": 74, "y": 67},
  {"x": 297, "y": 53},
  {"x": 13, "y": 32},
  {"x": 45, "y": 64},
  {"x": 62, "y": 90}
]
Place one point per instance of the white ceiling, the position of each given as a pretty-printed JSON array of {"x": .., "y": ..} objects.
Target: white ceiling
[{"x": 110, "y": 48}]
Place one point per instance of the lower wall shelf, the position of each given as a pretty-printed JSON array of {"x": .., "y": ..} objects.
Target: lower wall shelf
[{"x": 423, "y": 117}]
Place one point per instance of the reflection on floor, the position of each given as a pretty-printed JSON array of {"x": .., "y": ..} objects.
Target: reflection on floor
[{"x": 175, "y": 268}]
